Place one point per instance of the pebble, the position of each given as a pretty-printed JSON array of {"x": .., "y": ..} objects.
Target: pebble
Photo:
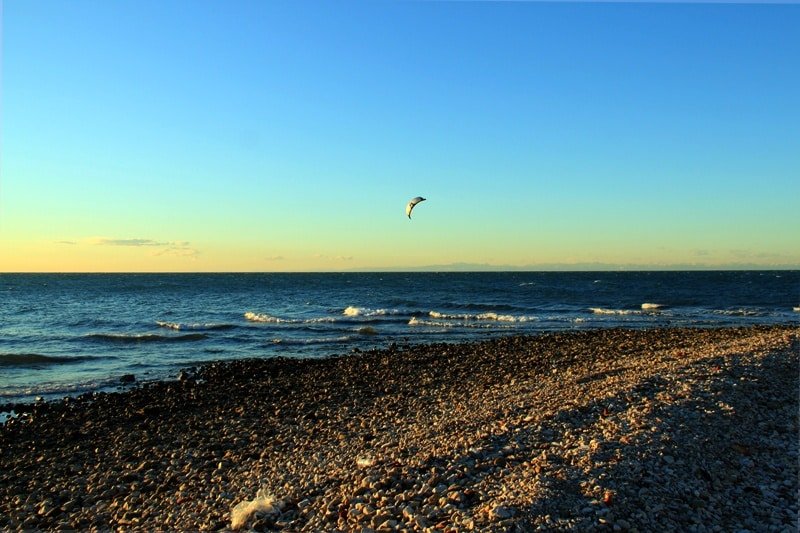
[{"x": 674, "y": 429}]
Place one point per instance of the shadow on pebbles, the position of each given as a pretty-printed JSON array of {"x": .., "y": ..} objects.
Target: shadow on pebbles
[{"x": 610, "y": 430}]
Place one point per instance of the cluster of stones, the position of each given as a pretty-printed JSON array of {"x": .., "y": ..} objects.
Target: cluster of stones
[{"x": 618, "y": 430}]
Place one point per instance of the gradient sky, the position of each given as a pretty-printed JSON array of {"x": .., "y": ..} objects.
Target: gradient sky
[{"x": 280, "y": 136}]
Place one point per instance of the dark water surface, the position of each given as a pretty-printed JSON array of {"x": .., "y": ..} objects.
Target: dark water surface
[{"x": 69, "y": 333}]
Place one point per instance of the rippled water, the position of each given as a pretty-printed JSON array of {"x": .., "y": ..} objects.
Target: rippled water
[{"x": 69, "y": 333}]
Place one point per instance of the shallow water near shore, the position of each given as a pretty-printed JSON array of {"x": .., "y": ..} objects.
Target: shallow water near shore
[{"x": 65, "y": 334}]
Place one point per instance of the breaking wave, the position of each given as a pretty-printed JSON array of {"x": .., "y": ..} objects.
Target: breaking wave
[
  {"x": 353, "y": 311},
  {"x": 651, "y": 307},
  {"x": 603, "y": 311},
  {"x": 483, "y": 316},
  {"x": 451, "y": 324},
  {"x": 146, "y": 337},
  {"x": 270, "y": 319},
  {"x": 193, "y": 327}
]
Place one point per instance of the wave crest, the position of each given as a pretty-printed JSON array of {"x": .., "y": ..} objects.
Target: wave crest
[
  {"x": 452, "y": 324},
  {"x": 482, "y": 316},
  {"x": 177, "y": 326},
  {"x": 270, "y": 319},
  {"x": 353, "y": 311},
  {"x": 145, "y": 337},
  {"x": 603, "y": 311}
]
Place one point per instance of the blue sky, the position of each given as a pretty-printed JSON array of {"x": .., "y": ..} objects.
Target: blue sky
[{"x": 289, "y": 135}]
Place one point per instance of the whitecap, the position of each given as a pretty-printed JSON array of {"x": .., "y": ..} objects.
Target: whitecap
[
  {"x": 453, "y": 324},
  {"x": 353, "y": 311},
  {"x": 262, "y": 317},
  {"x": 602, "y": 311},
  {"x": 417, "y": 322},
  {"x": 482, "y": 316},
  {"x": 196, "y": 327},
  {"x": 651, "y": 307},
  {"x": 270, "y": 319}
]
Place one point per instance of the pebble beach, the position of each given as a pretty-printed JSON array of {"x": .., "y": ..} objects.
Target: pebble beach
[{"x": 604, "y": 430}]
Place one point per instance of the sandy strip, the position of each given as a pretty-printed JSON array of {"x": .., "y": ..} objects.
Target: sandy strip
[{"x": 668, "y": 429}]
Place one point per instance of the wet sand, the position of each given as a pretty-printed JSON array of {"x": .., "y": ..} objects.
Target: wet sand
[{"x": 665, "y": 429}]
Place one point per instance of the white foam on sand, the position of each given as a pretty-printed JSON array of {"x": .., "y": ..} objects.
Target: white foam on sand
[{"x": 262, "y": 503}]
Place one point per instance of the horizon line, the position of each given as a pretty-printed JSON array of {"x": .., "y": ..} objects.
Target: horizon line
[{"x": 409, "y": 271}]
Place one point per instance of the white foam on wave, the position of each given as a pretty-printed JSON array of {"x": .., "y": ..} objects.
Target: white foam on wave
[
  {"x": 196, "y": 326},
  {"x": 417, "y": 322},
  {"x": 482, "y": 316},
  {"x": 262, "y": 317},
  {"x": 318, "y": 340},
  {"x": 796, "y": 309},
  {"x": 452, "y": 324},
  {"x": 270, "y": 319},
  {"x": 353, "y": 311},
  {"x": 603, "y": 311},
  {"x": 738, "y": 312},
  {"x": 651, "y": 307}
]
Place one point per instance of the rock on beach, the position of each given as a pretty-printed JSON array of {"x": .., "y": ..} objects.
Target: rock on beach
[{"x": 606, "y": 430}]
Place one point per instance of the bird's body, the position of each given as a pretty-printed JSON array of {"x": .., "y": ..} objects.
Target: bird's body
[{"x": 412, "y": 203}]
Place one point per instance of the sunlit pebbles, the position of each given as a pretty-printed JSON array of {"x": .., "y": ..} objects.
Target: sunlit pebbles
[{"x": 663, "y": 429}]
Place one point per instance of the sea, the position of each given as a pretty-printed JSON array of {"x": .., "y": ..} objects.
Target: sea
[{"x": 70, "y": 334}]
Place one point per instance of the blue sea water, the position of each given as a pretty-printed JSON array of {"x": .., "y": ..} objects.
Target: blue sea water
[{"x": 63, "y": 334}]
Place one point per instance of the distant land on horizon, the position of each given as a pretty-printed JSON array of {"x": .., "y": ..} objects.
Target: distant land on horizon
[{"x": 576, "y": 267}]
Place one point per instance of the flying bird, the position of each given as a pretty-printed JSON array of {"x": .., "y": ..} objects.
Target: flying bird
[{"x": 412, "y": 203}]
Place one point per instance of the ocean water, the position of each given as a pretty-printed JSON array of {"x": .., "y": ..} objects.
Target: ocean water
[{"x": 66, "y": 334}]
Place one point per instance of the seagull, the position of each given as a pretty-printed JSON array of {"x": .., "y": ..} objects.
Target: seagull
[{"x": 412, "y": 203}]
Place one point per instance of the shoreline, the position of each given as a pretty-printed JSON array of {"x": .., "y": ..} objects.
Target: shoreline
[{"x": 604, "y": 429}]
